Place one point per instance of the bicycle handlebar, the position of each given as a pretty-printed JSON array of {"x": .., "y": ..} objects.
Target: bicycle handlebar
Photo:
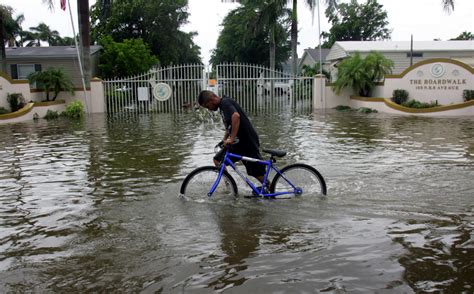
[{"x": 220, "y": 145}]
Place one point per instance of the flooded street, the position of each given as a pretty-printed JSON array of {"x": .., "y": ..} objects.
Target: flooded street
[{"x": 93, "y": 206}]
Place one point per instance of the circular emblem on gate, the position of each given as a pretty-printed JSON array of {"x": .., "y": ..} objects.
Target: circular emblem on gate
[
  {"x": 437, "y": 70},
  {"x": 162, "y": 92}
]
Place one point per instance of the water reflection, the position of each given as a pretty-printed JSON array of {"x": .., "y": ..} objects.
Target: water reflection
[
  {"x": 92, "y": 206},
  {"x": 439, "y": 253}
]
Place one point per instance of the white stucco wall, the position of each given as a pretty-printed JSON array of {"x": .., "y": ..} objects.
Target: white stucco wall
[
  {"x": 7, "y": 86},
  {"x": 439, "y": 79},
  {"x": 434, "y": 80}
]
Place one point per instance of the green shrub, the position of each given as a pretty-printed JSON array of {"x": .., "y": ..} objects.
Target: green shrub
[
  {"x": 3, "y": 110},
  {"x": 343, "y": 108},
  {"x": 366, "y": 110},
  {"x": 362, "y": 74},
  {"x": 52, "y": 80},
  {"x": 51, "y": 114},
  {"x": 16, "y": 101},
  {"x": 74, "y": 110},
  {"x": 417, "y": 104},
  {"x": 400, "y": 96},
  {"x": 468, "y": 95}
]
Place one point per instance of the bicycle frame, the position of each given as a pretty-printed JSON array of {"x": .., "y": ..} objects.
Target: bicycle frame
[{"x": 269, "y": 166}]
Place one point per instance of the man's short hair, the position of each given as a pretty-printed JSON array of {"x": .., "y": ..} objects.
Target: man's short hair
[{"x": 205, "y": 96}]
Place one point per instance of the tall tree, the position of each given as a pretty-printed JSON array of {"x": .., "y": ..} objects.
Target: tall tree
[
  {"x": 43, "y": 32},
  {"x": 270, "y": 14},
  {"x": 14, "y": 31},
  {"x": 349, "y": 23},
  {"x": 311, "y": 4},
  {"x": 241, "y": 40},
  {"x": 128, "y": 58},
  {"x": 5, "y": 18},
  {"x": 157, "y": 22}
]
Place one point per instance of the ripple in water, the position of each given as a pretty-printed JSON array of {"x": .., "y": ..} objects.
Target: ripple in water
[{"x": 93, "y": 206}]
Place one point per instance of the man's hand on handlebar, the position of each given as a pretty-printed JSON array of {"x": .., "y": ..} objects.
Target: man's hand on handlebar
[{"x": 229, "y": 141}]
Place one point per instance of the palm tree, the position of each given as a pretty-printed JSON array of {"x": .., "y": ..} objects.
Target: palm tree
[
  {"x": 331, "y": 4},
  {"x": 31, "y": 39},
  {"x": 5, "y": 19},
  {"x": 448, "y": 5},
  {"x": 14, "y": 30},
  {"x": 52, "y": 79},
  {"x": 84, "y": 32},
  {"x": 3, "y": 55},
  {"x": 270, "y": 13},
  {"x": 42, "y": 32},
  {"x": 362, "y": 74}
]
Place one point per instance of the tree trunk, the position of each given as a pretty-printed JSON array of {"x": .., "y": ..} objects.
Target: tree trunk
[
  {"x": 272, "y": 49},
  {"x": 84, "y": 32},
  {"x": 294, "y": 38},
  {"x": 3, "y": 56}
]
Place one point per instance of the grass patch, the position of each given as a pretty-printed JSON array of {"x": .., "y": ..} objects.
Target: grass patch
[{"x": 418, "y": 105}]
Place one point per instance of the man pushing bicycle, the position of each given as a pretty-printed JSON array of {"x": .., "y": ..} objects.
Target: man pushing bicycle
[{"x": 237, "y": 125}]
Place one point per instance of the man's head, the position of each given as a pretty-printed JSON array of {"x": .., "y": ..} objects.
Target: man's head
[{"x": 209, "y": 100}]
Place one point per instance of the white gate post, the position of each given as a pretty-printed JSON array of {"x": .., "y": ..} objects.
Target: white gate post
[
  {"x": 97, "y": 96},
  {"x": 319, "y": 92},
  {"x": 204, "y": 79}
]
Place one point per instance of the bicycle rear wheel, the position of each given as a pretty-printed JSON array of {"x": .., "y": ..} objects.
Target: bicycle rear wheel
[
  {"x": 305, "y": 178},
  {"x": 199, "y": 182}
]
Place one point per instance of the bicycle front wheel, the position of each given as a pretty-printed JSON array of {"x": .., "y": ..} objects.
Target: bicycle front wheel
[
  {"x": 199, "y": 182},
  {"x": 300, "y": 179}
]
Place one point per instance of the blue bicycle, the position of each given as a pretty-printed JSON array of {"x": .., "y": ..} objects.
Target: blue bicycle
[{"x": 216, "y": 182}]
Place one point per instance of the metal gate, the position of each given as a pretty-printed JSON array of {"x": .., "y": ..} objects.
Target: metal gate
[
  {"x": 254, "y": 87},
  {"x": 137, "y": 94},
  {"x": 258, "y": 88}
]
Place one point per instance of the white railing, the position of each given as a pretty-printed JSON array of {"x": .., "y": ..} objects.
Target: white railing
[
  {"x": 254, "y": 87},
  {"x": 258, "y": 88},
  {"x": 135, "y": 94}
]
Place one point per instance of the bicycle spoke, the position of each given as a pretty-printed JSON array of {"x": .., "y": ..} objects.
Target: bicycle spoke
[
  {"x": 302, "y": 177},
  {"x": 199, "y": 183}
]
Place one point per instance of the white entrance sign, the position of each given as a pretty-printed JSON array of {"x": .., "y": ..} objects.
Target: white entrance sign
[
  {"x": 143, "y": 94},
  {"x": 442, "y": 80}
]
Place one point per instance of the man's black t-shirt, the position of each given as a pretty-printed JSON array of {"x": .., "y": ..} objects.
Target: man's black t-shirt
[{"x": 247, "y": 135}]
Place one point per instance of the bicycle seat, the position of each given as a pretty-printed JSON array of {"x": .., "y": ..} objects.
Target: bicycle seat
[{"x": 273, "y": 152}]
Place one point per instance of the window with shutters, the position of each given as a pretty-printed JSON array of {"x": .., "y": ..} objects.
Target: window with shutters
[
  {"x": 24, "y": 70},
  {"x": 21, "y": 71}
]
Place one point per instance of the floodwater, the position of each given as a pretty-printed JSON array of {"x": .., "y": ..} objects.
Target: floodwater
[{"x": 92, "y": 206}]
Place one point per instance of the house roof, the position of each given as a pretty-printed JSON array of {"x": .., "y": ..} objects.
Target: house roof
[
  {"x": 391, "y": 46},
  {"x": 314, "y": 53},
  {"x": 46, "y": 52}
]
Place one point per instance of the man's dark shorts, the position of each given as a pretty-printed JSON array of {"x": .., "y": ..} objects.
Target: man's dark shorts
[{"x": 253, "y": 168}]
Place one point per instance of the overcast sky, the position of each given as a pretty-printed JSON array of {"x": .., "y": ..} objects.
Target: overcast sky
[{"x": 425, "y": 19}]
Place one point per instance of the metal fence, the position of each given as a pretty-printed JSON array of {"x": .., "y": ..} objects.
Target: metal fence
[
  {"x": 135, "y": 94},
  {"x": 255, "y": 88},
  {"x": 258, "y": 88}
]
